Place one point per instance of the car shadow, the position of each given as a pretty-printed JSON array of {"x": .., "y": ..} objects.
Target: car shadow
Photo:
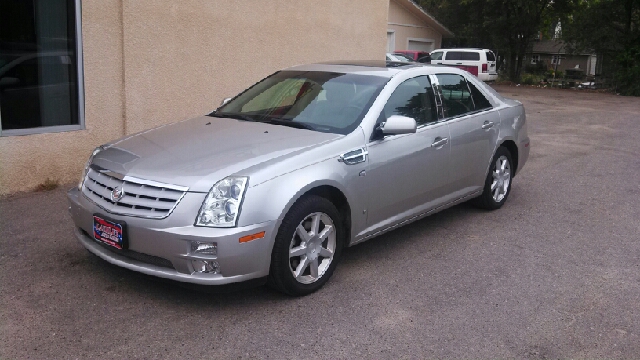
[{"x": 394, "y": 243}]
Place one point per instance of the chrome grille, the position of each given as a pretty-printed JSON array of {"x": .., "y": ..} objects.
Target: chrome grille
[{"x": 141, "y": 198}]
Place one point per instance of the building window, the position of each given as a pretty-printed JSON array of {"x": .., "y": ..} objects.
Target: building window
[
  {"x": 40, "y": 66},
  {"x": 535, "y": 59},
  {"x": 556, "y": 59}
]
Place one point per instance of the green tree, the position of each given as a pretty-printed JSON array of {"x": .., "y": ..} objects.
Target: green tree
[
  {"x": 507, "y": 25},
  {"x": 610, "y": 28}
]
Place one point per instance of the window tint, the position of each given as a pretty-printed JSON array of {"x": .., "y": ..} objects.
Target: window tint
[
  {"x": 39, "y": 84},
  {"x": 413, "y": 98},
  {"x": 456, "y": 98},
  {"x": 462, "y": 55},
  {"x": 490, "y": 56},
  {"x": 479, "y": 100},
  {"x": 436, "y": 56}
]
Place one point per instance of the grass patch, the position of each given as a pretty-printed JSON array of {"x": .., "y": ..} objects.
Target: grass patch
[{"x": 48, "y": 185}]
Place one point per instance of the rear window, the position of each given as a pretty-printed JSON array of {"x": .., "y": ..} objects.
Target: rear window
[
  {"x": 490, "y": 56},
  {"x": 462, "y": 55}
]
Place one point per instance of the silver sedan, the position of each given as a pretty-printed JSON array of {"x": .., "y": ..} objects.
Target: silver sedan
[{"x": 272, "y": 185}]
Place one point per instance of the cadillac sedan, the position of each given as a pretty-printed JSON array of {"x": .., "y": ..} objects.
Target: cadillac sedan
[{"x": 272, "y": 185}]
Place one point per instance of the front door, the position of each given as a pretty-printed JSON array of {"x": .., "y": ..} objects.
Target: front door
[{"x": 407, "y": 174}]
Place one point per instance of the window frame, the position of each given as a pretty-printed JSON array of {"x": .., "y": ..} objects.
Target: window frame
[
  {"x": 535, "y": 59},
  {"x": 439, "y": 103},
  {"x": 556, "y": 59},
  {"x": 433, "y": 95},
  {"x": 80, "y": 89}
]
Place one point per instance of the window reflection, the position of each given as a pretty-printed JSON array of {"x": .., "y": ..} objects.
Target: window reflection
[{"x": 38, "y": 67}]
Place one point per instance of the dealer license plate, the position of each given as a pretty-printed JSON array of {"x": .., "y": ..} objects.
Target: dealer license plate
[{"x": 108, "y": 232}]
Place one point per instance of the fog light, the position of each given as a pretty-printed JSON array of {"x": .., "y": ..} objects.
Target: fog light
[
  {"x": 204, "y": 248},
  {"x": 206, "y": 266}
]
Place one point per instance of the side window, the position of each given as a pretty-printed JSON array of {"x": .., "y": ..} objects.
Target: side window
[
  {"x": 413, "y": 98},
  {"x": 436, "y": 56},
  {"x": 479, "y": 99},
  {"x": 463, "y": 55},
  {"x": 456, "y": 98}
]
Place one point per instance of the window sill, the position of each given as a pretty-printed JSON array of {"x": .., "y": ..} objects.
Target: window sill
[{"x": 41, "y": 130}]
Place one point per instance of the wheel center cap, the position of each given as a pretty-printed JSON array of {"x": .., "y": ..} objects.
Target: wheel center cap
[{"x": 312, "y": 253}]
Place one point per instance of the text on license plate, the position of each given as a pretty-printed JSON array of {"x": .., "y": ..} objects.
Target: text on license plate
[{"x": 108, "y": 232}]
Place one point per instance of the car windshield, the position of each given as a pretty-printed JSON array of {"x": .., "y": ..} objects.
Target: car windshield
[
  {"x": 314, "y": 100},
  {"x": 402, "y": 57}
]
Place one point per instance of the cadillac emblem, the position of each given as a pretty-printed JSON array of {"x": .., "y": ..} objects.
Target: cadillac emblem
[{"x": 117, "y": 194}]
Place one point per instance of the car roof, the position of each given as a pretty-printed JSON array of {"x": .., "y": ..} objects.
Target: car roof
[
  {"x": 367, "y": 67},
  {"x": 462, "y": 49}
]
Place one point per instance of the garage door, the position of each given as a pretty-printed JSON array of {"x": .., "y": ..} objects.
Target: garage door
[{"x": 421, "y": 45}]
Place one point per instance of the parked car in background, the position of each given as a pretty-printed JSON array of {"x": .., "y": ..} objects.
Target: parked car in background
[
  {"x": 414, "y": 55},
  {"x": 277, "y": 181},
  {"x": 479, "y": 62},
  {"x": 398, "y": 57}
]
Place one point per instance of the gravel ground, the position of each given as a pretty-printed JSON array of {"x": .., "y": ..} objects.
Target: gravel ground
[{"x": 554, "y": 274}]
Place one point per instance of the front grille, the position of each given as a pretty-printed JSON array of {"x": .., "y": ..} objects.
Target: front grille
[
  {"x": 140, "y": 199},
  {"x": 147, "y": 259}
]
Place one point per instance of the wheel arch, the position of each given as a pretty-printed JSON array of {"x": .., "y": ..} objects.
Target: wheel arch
[{"x": 513, "y": 150}]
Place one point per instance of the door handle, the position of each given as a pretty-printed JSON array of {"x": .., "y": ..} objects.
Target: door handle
[
  {"x": 487, "y": 124},
  {"x": 438, "y": 142}
]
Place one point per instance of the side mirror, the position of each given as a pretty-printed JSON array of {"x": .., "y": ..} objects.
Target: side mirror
[
  {"x": 8, "y": 81},
  {"x": 398, "y": 124},
  {"x": 226, "y": 100}
]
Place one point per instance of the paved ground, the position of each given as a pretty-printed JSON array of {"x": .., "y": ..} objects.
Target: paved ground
[{"x": 554, "y": 274}]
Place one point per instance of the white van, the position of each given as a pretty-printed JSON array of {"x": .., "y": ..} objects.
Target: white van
[{"x": 479, "y": 62}]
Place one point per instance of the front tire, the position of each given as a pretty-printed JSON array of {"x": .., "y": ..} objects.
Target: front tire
[
  {"x": 497, "y": 185},
  {"x": 307, "y": 246}
]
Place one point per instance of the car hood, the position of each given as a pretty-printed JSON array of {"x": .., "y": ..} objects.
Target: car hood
[{"x": 198, "y": 152}]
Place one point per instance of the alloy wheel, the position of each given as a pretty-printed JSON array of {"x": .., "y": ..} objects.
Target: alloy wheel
[
  {"x": 312, "y": 248},
  {"x": 501, "y": 179}
]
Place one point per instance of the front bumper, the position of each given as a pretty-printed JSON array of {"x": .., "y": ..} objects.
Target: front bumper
[{"x": 161, "y": 247}]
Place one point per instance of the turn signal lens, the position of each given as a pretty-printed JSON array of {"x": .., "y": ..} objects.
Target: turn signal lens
[{"x": 248, "y": 238}]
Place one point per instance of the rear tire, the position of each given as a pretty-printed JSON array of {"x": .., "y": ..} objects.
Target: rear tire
[
  {"x": 497, "y": 185},
  {"x": 307, "y": 247}
]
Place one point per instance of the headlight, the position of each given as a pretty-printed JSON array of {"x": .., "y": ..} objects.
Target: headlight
[
  {"x": 86, "y": 166},
  {"x": 222, "y": 205}
]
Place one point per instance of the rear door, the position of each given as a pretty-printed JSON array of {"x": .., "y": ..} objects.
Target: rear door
[{"x": 473, "y": 126}]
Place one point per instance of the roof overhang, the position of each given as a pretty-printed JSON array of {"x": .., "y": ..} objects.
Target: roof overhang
[{"x": 421, "y": 14}]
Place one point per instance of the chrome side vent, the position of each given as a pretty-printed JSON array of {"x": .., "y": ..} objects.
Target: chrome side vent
[{"x": 354, "y": 157}]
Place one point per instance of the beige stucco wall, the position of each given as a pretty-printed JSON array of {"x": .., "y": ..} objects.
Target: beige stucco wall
[
  {"x": 406, "y": 26},
  {"x": 147, "y": 65}
]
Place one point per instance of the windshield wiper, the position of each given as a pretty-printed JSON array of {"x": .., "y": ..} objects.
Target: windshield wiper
[
  {"x": 289, "y": 123},
  {"x": 232, "y": 115}
]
